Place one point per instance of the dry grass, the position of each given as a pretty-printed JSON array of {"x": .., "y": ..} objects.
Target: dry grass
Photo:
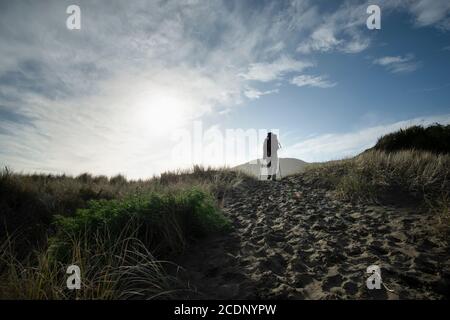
[
  {"x": 114, "y": 264},
  {"x": 125, "y": 270},
  {"x": 28, "y": 202},
  {"x": 376, "y": 175},
  {"x": 370, "y": 174}
]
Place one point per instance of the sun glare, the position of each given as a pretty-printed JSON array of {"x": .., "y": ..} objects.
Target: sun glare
[{"x": 158, "y": 113}]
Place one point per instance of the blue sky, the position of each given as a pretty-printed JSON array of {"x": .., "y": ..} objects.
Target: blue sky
[{"x": 115, "y": 95}]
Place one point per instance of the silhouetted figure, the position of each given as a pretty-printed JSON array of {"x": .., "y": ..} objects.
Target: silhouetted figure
[{"x": 270, "y": 155}]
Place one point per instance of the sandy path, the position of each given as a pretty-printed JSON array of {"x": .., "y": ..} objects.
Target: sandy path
[{"x": 293, "y": 240}]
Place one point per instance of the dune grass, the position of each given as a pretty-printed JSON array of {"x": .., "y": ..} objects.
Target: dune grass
[
  {"x": 434, "y": 138},
  {"x": 371, "y": 174},
  {"x": 111, "y": 268},
  {"x": 119, "y": 232},
  {"x": 374, "y": 176},
  {"x": 412, "y": 162}
]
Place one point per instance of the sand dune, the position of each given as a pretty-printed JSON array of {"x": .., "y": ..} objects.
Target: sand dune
[
  {"x": 288, "y": 166},
  {"x": 293, "y": 239}
]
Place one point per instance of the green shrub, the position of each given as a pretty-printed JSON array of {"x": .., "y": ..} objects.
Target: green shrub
[{"x": 163, "y": 221}]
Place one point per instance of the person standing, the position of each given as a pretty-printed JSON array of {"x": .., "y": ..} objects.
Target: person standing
[{"x": 270, "y": 155}]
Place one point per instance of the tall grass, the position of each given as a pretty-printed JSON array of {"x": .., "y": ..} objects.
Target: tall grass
[
  {"x": 123, "y": 268},
  {"x": 418, "y": 177},
  {"x": 372, "y": 174},
  {"x": 29, "y": 202},
  {"x": 119, "y": 232}
]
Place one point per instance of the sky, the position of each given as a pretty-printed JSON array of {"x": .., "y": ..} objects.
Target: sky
[{"x": 148, "y": 86}]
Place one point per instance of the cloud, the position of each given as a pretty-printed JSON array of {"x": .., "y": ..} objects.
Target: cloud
[
  {"x": 398, "y": 64},
  {"x": 278, "y": 47},
  {"x": 341, "y": 30},
  {"x": 106, "y": 98},
  {"x": 344, "y": 30},
  {"x": 385, "y": 61},
  {"x": 356, "y": 45},
  {"x": 334, "y": 146},
  {"x": 431, "y": 12},
  {"x": 322, "y": 40},
  {"x": 266, "y": 72},
  {"x": 430, "y": 89},
  {"x": 312, "y": 81},
  {"x": 252, "y": 93}
]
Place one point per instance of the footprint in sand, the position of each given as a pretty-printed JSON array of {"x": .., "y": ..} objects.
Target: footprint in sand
[{"x": 293, "y": 240}]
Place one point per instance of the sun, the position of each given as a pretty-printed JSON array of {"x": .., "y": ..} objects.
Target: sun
[{"x": 158, "y": 112}]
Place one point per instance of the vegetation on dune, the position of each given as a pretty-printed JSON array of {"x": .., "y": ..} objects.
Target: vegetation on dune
[
  {"x": 163, "y": 221},
  {"x": 116, "y": 230},
  {"x": 434, "y": 138},
  {"x": 396, "y": 169},
  {"x": 373, "y": 174},
  {"x": 111, "y": 268},
  {"x": 29, "y": 202}
]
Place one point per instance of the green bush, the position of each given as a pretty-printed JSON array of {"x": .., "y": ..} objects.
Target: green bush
[{"x": 163, "y": 221}]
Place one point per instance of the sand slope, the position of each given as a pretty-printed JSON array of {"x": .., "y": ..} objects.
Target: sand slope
[
  {"x": 288, "y": 166},
  {"x": 292, "y": 239}
]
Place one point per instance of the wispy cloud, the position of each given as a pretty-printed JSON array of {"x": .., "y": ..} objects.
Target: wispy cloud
[
  {"x": 322, "y": 39},
  {"x": 430, "y": 89},
  {"x": 312, "y": 81},
  {"x": 398, "y": 64},
  {"x": 431, "y": 12},
  {"x": 341, "y": 30},
  {"x": 253, "y": 93},
  {"x": 106, "y": 98},
  {"x": 271, "y": 71}
]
